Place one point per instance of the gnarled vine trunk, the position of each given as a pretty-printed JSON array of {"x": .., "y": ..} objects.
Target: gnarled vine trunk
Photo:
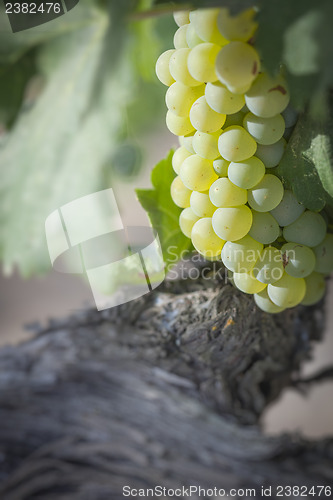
[{"x": 167, "y": 390}]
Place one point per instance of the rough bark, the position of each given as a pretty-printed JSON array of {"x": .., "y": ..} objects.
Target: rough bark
[{"x": 167, "y": 390}]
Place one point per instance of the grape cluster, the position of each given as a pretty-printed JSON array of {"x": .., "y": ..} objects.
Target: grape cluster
[{"x": 232, "y": 119}]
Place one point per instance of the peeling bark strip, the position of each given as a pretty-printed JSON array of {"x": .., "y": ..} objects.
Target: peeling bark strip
[{"x": 165, "y": 391}]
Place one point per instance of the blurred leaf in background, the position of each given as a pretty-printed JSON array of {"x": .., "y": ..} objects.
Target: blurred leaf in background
[{"x": 60, "y": 144}]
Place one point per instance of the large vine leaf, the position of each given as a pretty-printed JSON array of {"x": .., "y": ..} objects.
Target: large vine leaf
[
  {"x": 163, "y": 213},
  {"x": 306, "y": 166},
  {"x": 56, "y": 150}
]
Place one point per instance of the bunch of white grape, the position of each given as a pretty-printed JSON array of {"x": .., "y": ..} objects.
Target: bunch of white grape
[{"x": 232, "y": 119}]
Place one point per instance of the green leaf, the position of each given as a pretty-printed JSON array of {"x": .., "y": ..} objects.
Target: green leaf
[
  {"x": 57, "y": 149},
  {"x": 163, "y": 213},
  {"x": 235, "y": 6},
  {"x": 13, "y": 81},
  {"x": 306, "y": 166}
]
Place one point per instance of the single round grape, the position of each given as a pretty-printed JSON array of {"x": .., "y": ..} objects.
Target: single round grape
[
  {"x": 186, "y": 141},
  {"x": 237, "y": 65},
  {"x": 179, "y": 98},
  {"x": 232, "y": 224},
  {"x": 178, "y": 125},
  {"x": 205, "y": 145},
  {"x": 179, "y": 70},
  {"x": 267, "y": 194},
  {"x": 271, "y": 154},
  {"x": 290, "y": 116},
  {"x": 220, "y": 166},
  {"x": 264, "y": 227},
  {"x": 235, "y": 119},
  {"x": 204, "y": 22},
  {"x": 236, "y": 144},
  {"x": 178, "y": 157},
  {"x": 204, "y": 118},
  {"x": 247, "y": 173},
  {"x": 264, "y": 130},
  {"x": 181, "y": 17},
  {"x": 240, "y": 27},
  {"x": 288, "y": 210},
  {"x": 221, "y": 100},
  {"x": 240, "y": 256},
  {"x": 192, "y": 38},
  {"x": 247, "y": 283},
  {"x": 201, "y": 62},
  {"x": 324, "y": 255},
  {"x": 223, "y": 193},
  {"x": 309, "y": 229},
  {"x": 315, "y": 289},
  {"x": 265, "y": 304},
  {"x": 197, "y": 173},
  {"x": 162, "y": 68},
  {"x": 204, "y": 239},
  {"x": 268, "y": 96},
  {"x": 298, "y": 260},
  {"x": 201, "y": 204},
  {"x": 180, "y": 194},
  {"x": 269, "y": 266},
  {"x": 287, "y": 291},
  {"x": 179, "y": 39},
  {"x": 187, "y": 219}
]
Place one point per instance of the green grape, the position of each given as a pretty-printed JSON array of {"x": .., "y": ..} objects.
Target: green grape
[
  {"x": 265, "y": 304},
  {"x": 204, "y": 239},
  {"x": 240, "y": 256},
  {"x": 315, "y": 289},
  {"x": 204, "y": 118},
  {"x": 187, "y": 219},
  {"x": 201, "y": 62},
  {"x": 290, "y": 116},
  {"x": 179, "y": 70},
  {"x": 287, "y": 291},
  {"x": 267, "y": 96},
  {"x": 309, "y": 229},
  {"x": 179, "y": 98},
  {"x": 220, "y": 166},
  {"x": 162, "y": 68},
  {"x": 223, "y": 193},
  {"x": 201, "y": 204},
  {"x": 179, "y": 39},
  {"x": 271, "y": 155},
  {"x": 180, "y": 194},
  {"x": 288, "y": 210},
  {"x": 178, "y": 157},
  {"x": 264, "y": 227},
  {"x": 237, "y": 65},
  {"x": 298, "y": 260},
  {"x": 234, "y": 119},
  {"x": 205, "y": 145},
  {"x": 324, "y": 255},
  {"x": 264, "y": 130},
  {"x": 232, "y": 224},
  {"x": 221, "y": 100},
  {"x": 197, "y": 173},
  {"x": 181, "y": 17},
  {"x": 240, "y": 27},
  {"x": 246, "y": 174},
  {"x": 246, "y": 282},
  {"x": 186, "y": 141},
  {"x": 267, "y": 194},
  {"x": 236, "y": 144},
  {"x": 178, "y": 125},
  {"x": 204, "y": 22},
  {"x": 192, "y": 38},
  {"x": 269, "y": 266}
]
